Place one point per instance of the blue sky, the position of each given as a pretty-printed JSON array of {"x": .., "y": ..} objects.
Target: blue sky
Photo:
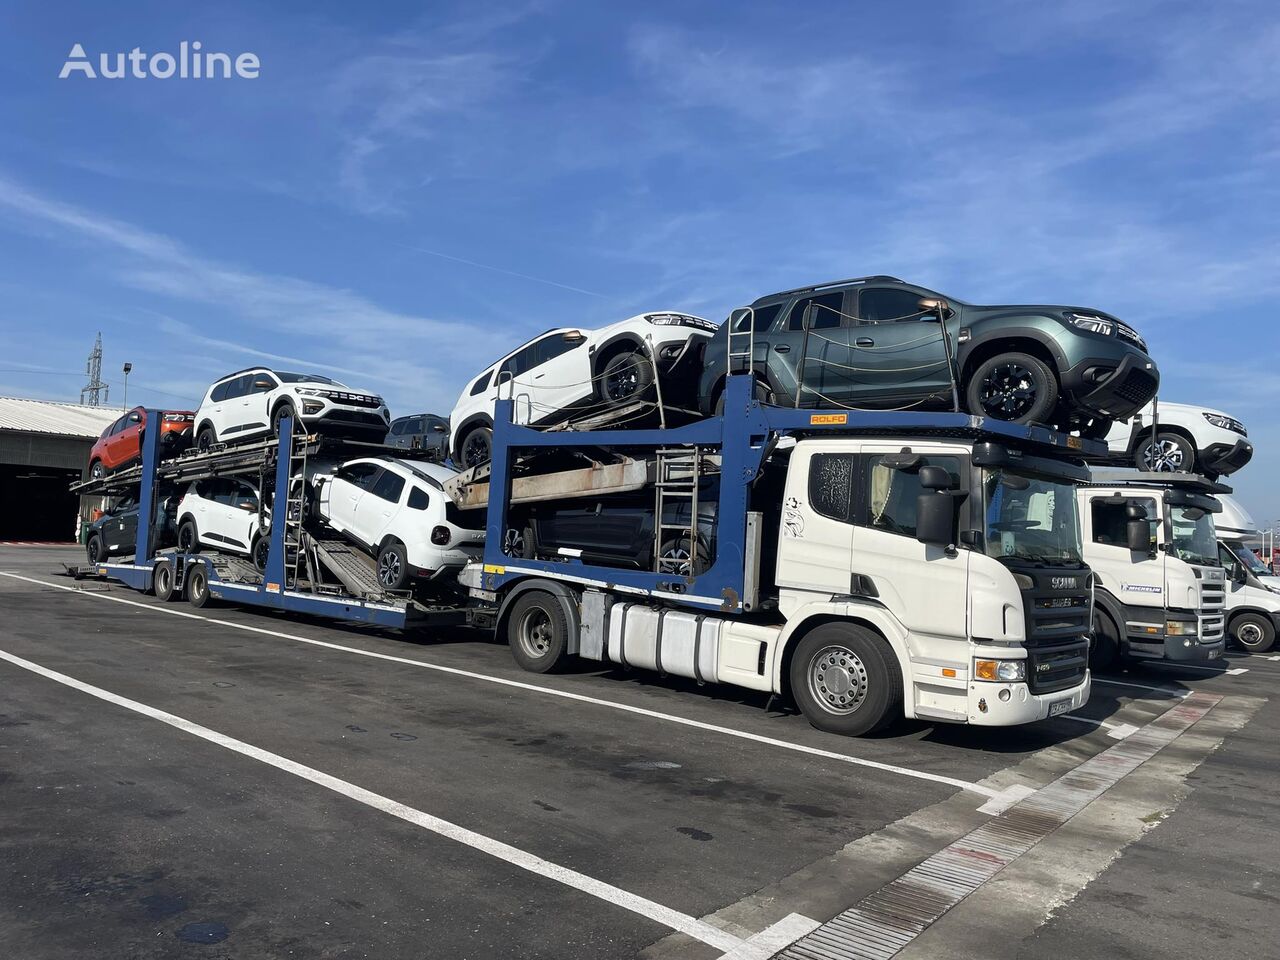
[{"x": 408, "y": 190}]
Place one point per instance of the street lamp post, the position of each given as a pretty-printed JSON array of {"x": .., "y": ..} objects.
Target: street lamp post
[{"x": 127, "y": 367}]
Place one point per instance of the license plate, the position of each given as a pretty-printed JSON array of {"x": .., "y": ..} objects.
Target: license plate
[{"x": 1059, "y": 706}]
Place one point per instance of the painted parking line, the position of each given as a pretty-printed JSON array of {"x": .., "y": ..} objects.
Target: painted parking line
[
  {"x": 882, "y": 924},
  {"x": 667, "y": 917},
  {"x": 1117, "y": 731},
  {"x": 1168, "y": 691},
  {"x": 998, "y": 796},
  {"x": 1217, "y": 671}
]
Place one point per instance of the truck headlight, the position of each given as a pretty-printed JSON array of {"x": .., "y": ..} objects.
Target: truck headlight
[
  {"x": 1000, "y": 671},
  {"x": 1180, "y": 628}
]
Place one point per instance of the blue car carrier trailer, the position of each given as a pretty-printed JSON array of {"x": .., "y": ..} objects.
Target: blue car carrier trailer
[
  {"x": 302, "y": 574},
  {"x": 976, "y": 614}
]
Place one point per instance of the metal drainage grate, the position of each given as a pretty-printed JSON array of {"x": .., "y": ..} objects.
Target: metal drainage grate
[{"x": 893, "y": 916}]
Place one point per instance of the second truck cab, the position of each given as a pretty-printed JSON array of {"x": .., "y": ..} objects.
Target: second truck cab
[
  {"x": 1159, "y": 588},
  {"x": 1253, "y": 591}
]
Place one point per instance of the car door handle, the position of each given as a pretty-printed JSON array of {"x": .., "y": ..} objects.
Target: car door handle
[
  {"x": 864, "y": 342},
  {"x": 781, "y": 348}
]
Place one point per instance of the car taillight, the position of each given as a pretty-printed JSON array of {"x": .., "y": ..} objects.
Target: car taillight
[
  {"x": 440, "y": 536},
  {"x": 176, "y": 418}
]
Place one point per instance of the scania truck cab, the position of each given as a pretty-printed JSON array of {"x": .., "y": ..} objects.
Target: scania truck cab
[
  {"x": 1253, "y": 592},
  {"x": 870, "y": 565},
  {"x": 1159, "y": 589}
]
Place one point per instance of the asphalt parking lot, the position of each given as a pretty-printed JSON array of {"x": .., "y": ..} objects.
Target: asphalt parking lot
[{"x": 234, "y": 783}]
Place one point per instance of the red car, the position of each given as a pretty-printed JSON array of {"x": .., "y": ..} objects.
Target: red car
[{"x": 121, "y": 443}]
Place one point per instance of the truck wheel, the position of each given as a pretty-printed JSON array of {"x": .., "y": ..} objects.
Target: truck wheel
[
  {"x": 626, "y": 377},
  {"x": 846, "y": 680},
  {"x": 93, "y": 550},
  {"x": 1104, "y": 648},
  {"x": 1012, "y": 386},
  {"x": 198, "y": 585},
  {"x": 538, "y": 632},
  {"x": 162, "y": 580},
  {"x": 1168, "y": 453},
  {"x": 1253, "y": 632}
]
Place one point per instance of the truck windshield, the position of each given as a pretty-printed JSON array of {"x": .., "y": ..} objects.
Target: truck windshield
[
  {"x": 1194, "y": 539},
  {"x": 1030, "y": 518}
]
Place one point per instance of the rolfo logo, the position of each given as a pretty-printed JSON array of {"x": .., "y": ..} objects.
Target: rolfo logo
[{"x": 190, "y": 62}]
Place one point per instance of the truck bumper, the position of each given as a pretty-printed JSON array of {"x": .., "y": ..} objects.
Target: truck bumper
[
  {"x": 987, "y": 709},
  {"x": 1193, "y": 648}
]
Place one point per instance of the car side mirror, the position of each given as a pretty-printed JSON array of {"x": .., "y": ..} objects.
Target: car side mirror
[
  {"x": 1138, "y": 535},
  {"x": 262, "y": 384},
  {"x": 574, "y": 336},
  {"x": 439, "y": 428},
  {"x": 933, "y": 308},
  {"x": 135, "y": 418},
  {"x": 936, "y": 518}
]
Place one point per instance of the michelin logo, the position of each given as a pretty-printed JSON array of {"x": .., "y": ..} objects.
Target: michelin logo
[{"x": 1141, "y": 588}]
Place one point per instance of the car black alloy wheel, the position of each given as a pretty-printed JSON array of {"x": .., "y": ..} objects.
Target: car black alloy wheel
[
  {"x": 626, "y": 377},
  {"x": 1008, "y": 391},
  {"x": 93, "y": 549},
  {"x": 477, "y": 448},
  {"x": 188, "y": 538},
  {"x": 284, "y": 411},
  {"x": 205, "y": 439}
]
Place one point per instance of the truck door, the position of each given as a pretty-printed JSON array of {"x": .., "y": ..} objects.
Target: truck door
[
  {"x": 926, "y": 588},
  {"x": 815, "y": 540},
  {"x": 1135, "y": 578}
]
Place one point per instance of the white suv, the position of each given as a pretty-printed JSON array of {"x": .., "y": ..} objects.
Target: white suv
[
  {"x": 594, "y": 370},
  {"x": 1192, "y": 439},
  {"x": 222, "y": 512},
  {"x": 250, "y": 403},
  {"x": 397, "y": 510}
]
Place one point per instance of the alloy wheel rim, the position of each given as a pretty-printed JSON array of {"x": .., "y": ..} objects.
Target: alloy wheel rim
[
  {"x": 513, "y": 543},
  {"x": 675, "y": 560},
  {"x": 95, "y": 550},
  {"x": 186, "y": 539},
  {"x": 1163, "y": 456},
  {"x": 389, "y": 568},
  {"x": 837, "y": 679},
  {"x": 622, "y": 382},
  {"x": 476, "y": 450},
  {"x": 1008, "y": 391},
  {"x": 535, "y": 633},
  {"x": 97, "y": 471}
]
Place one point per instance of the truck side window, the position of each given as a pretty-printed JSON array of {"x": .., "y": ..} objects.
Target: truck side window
[
  {"x": 831, "y": 485},
  {"x": 1110, "y": 521},
  {"x": 891, "y": 497}
]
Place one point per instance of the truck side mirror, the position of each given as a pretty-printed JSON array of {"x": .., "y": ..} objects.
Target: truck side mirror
[
  {"x": 1138, "y": 533},
  {"x": 936, "y": 518},
  {"x": 933, "y": 477},
  {"x": 1239, "y": 574}
]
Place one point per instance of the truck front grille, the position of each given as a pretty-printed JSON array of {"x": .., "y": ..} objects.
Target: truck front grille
[{"x": 1057, "y": 667}]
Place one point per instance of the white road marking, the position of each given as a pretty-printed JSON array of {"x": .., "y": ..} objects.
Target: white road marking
[
  {"x": 1274, "y": 658},
  {"x": 1196, "y": 666},
  {"x": 1143, "y": 686},
  {"x": 770, "y": 940},
  {"x": 1236, "y": 671},
  {"x": 547, "y": 691},
  {"x": 1117, "y": 731},
  {"x": 1012, "y": 796},
  {"x": 673, "y": 919}
]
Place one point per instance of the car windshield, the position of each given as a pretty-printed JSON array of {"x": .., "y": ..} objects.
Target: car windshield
[
  {"x": 1194, "y": 539},
  {"x": 306, "y": 378},
  {"x": 1030, "y": 518}
]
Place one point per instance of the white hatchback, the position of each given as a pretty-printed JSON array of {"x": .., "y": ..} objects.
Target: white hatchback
[
  {"x": 222, "y": 512},
  {"x": 398, "y": 512},
  {"x": 567, "y": 368},
  {"x": 251, "y": 403}
]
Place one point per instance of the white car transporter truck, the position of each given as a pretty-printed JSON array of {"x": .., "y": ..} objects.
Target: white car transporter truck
[
  {"x": 1159, "y": 590},
  {"x": 869, "y": 564}
]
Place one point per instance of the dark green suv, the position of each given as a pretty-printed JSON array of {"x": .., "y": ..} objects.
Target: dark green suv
[{"x": 877, "y": 343}]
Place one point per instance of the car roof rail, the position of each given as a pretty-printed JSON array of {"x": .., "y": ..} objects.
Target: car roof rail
[
  {"x": 829, "y": 283},
  {"x": 245, "y": 370}
]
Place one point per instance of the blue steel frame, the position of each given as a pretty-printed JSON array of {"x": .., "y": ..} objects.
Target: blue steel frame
[
  {"x": 742, "y": 435},
  {"x": 271, "y": 591}
]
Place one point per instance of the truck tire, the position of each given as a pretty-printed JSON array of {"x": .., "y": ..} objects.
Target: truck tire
[
  {"x": 538, "y": 632},
  {"x": 198, "y": 585},
  {"x": 1253, "y": 632},
  {"x": 1016, "y": 387},
  {"x": 162, "y": 579},
  {"x": 1104, "y": 647},
  {"x": 846, "y": 679},
  {"x": 1167, "y": 453}
]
